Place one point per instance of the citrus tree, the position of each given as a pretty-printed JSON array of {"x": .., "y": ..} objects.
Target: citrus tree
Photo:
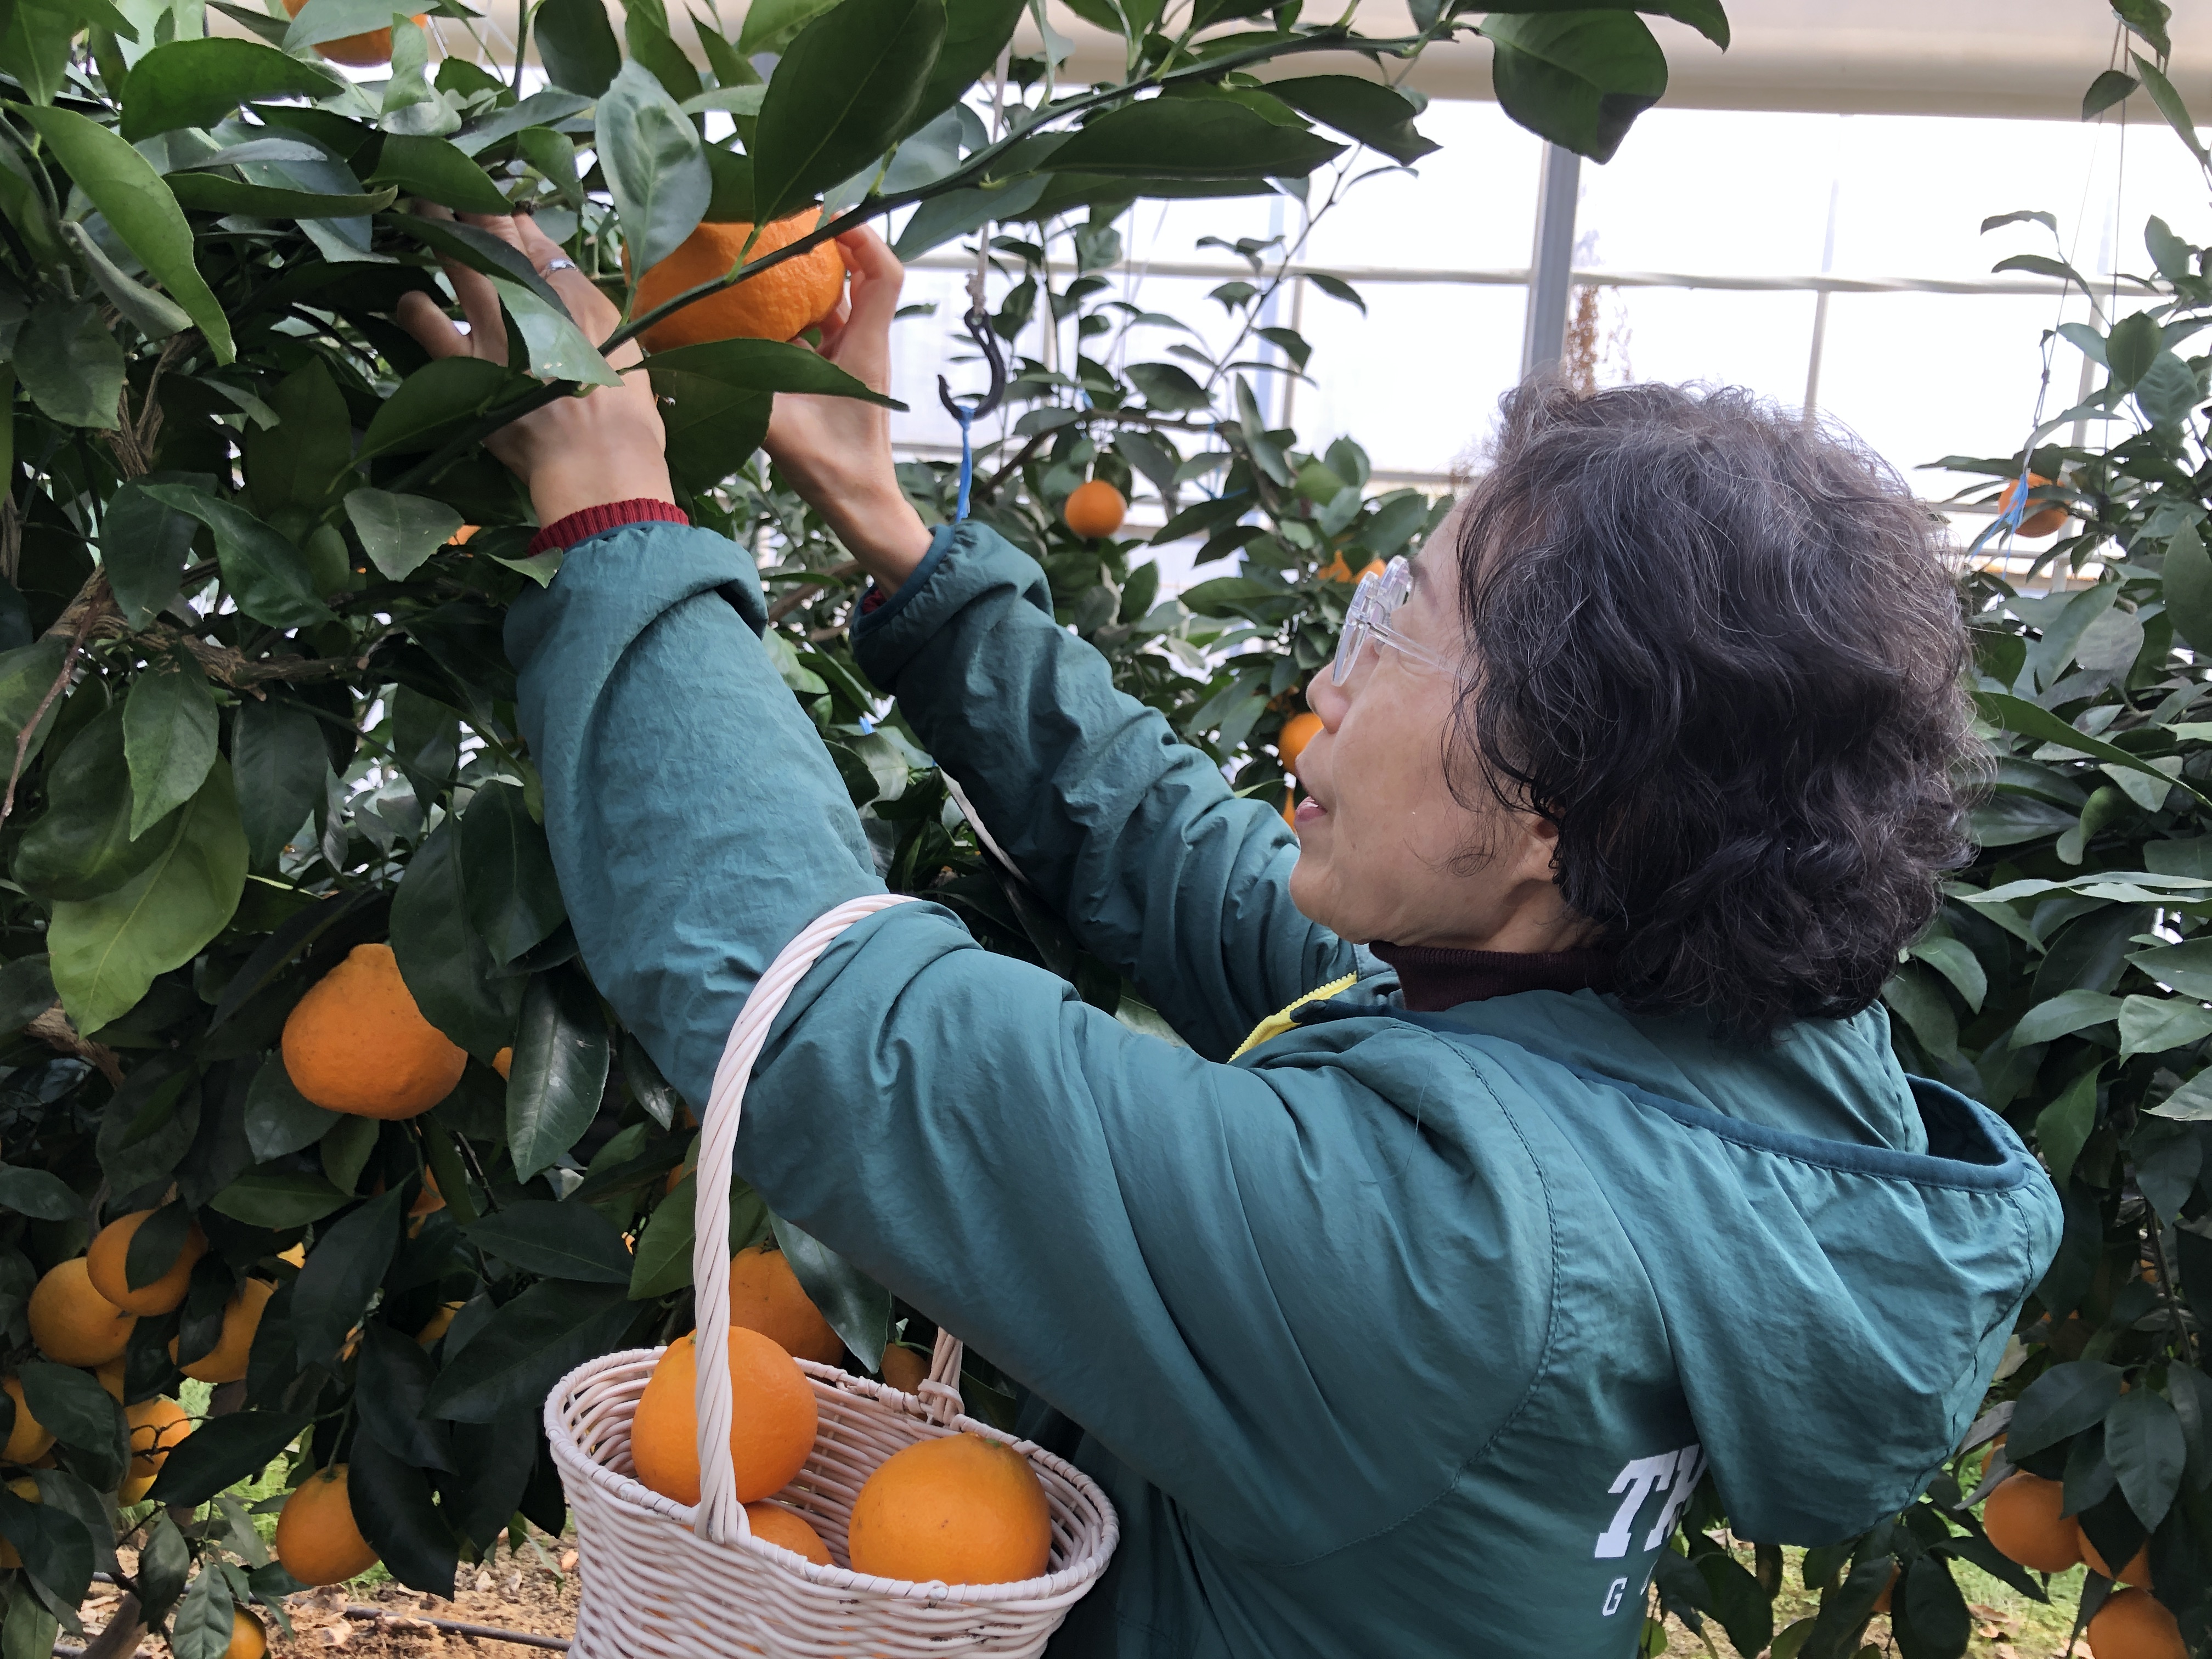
[{"x": 269, "y": 826}]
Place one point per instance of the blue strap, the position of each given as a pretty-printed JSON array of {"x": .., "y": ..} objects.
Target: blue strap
[{"x": 966, "y": 461}]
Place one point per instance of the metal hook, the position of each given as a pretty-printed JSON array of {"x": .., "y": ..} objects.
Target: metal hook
[{"x": 978, "y": 324}]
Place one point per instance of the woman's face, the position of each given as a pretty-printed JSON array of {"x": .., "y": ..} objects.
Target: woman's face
[{"x": 1380, "y": 832}]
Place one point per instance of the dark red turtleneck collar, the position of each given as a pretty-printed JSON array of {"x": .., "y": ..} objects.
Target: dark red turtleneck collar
[{"x": 1433, "y": 980}]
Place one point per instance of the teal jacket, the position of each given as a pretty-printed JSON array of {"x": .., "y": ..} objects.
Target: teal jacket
[{"x": 1404, "y": 1334}]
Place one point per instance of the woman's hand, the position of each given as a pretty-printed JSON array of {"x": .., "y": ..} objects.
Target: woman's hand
[
  {"x": 603, "y": 445},
  {"x": 836, "y": 451}
]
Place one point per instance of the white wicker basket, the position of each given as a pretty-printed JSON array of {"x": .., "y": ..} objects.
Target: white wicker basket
[{"x": 664, "y": 1580}]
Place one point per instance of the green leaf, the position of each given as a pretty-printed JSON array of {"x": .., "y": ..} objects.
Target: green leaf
[
  {"x": 71, "y": 365},
  {"x": 279, "y": 1119},
  {"x": 1380, "y": 116},
  {"x": 479, "y": 249},
  {"x": 342, "y": 1271},
  {"x": 268, "y": 576},
  {"x": 2063, "y": 1015},
  {"x": 2169, "y": 103},
  {"x": 53, "y": 1545},
  {"x": 195, "y": 83},
  {"x": 975, "y": 33},
  {"x": 858, "y": 1309},
  {"x": 277, "y": 1199},
  {"x": 558, "y": 350},
  {"x": 2153, "y": 1025},
  {"x": 2143, "y": 1443},
  {"x": 39, "y": 1194},
  {"x": 2186, "y": 966},
  {"x": 1912, "y": 995},
  {"x": 391, "y": 1499},
  {"x": 447, "y": 965},
  {"x": 322, "y": 21},
  {"x": 105, "y": 951},
  {"x": 434, "y": 401},
  {"x": 1190, "y": 138},
  {"x": 663, "y": 1263},
  {"x": 149, "y": 310},
  {"x": 2063, "y": 1126},
  {"x": 2189, "y": 588},
  {"x": 276, "y": 747},
  {"x": 1167, "y": 388},
  {"x": 559, "y": 1241},
  {"x": 71, "y": 1404},
  {"x": 153, "y": 1248},
  {"x": 132, "y": 198},
  {"x": 652, "y": 163},
  {"x": 848, "y": 89},
  {"x": 770, "y": 24},
  {"x": 2110, "y": 87},
  {"x": 2018, "y": 714},
  {"x": 2132, "y": 347},
  {"x": 647, "y": 37},
  {"x": 1952, "y": 959},
  {"x": 345, "y": 1151},
  {"x": 2063, "y": 1401},
  {"x": 528, "y": 1346},
  {"x": 399, "y": 531},
  {"x": 144, "y": 553},
  {"x": 578, "y": 46},
  {"x": 82, "y": 847},
  {"x": 2167, "y": 393},
  {"x": 559, "y": 1071},
  {"x": 203, "y": 1623},
  {"x": 432, "y": 168},
  {"x": 36, "y": 49},
  {"x": 1578, "y": 78},
  {"x": 208, "y": 193},
  {"x": 513, "y": 896},
  {"x": 223, "y": 1451},
  {"x": 765, "y": 366},
  {"x": 169, "y": 739}
]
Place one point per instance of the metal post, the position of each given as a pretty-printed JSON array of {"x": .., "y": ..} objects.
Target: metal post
[{"x": 1551, "y": 269}]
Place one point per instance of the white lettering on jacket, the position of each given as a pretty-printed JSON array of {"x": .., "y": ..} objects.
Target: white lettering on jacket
[{"x": 1638, "y": 1480}]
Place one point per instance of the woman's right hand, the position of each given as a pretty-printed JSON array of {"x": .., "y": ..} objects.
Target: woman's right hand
[{"x": 836, "y": 451}]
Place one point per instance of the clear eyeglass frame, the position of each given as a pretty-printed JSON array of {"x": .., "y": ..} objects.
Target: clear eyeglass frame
[{"x": 1374, "y": 602}]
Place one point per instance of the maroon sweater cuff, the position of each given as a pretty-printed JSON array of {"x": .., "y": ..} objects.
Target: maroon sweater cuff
[{"x": 607, "y": 515}]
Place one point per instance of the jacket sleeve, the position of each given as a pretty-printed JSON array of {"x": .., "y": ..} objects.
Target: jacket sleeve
[
  {"x": 1131, "y": 835},
  {"x": 1198, "y": 1262}
]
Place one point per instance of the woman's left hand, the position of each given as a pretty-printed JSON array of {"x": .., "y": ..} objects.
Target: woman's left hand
[{"x": 603, "y": 445}]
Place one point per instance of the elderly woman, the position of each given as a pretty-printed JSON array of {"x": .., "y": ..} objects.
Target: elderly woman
[{"x": 1580, "y": 1174}]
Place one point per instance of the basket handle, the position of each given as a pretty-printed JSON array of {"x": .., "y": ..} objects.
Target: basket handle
[{"x": 720, "y": 1517}]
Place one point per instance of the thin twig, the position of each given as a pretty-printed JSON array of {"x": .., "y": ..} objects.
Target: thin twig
[
  {"x": 91, "y": 602},
  {"x": 53, "y": 1027},
  {"x": 806, "y": 590}
]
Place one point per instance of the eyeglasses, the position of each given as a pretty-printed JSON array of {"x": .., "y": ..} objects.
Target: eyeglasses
[{"x": 1374, "y": 602}]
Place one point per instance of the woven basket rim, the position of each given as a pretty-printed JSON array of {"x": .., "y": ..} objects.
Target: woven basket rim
[{"x": 1039, "y": 1594}]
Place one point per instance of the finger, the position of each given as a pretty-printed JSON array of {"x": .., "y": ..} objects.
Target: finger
[
  {"x": 479, "y": 300},
  {"x": 419, "y": 314},
  {"x": 833, "y": 325},
  {"x": 878, "y": 278},
  {"x": 595, "y": 313},
  {"x": 501, "y": 225}
]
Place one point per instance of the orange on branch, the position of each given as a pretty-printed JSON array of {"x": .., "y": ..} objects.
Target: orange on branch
[
  {"x": 357, "y": 1043},
  {"x": 2133, "y": 1624},
  {"x": 1094, "y": 509},
  {"x": 1297, "y": 731},
  {"x": 771, "y": 1427},
  {"x": 2040, "y": 520},
  {"x": 74, "y": 1323},
  {"x": 961, "y": 1507},
  {"x": 437, "y": 1325},
  {"x": 27, "y": 1489},
  {"x": 370, "y": 49},
  {"x": 158, "y": 1427},
  {"x": 772, "y": 1524},
  {"x": 248, "y": 1640},
  {"x": 317, "y": 1540},
  {"x": 782, "y": 303},
  {"x": 503, "y": 1061},
  {"x": 2023, "y": 1520},
  {"x": 113, "y": 1375},
  {"x": 241, "y": 1318},
  {"x": 106, "y": 1259},
  {"x": 29, "y": 1440},
  {"x": 766, "y": 1296}
]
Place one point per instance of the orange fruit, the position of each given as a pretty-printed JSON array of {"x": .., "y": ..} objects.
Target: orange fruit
[
  {"x": 783, "y": 301},
  {"x": 27, "y": 1489},
  {"x": 772, "y": 1524},
  {"x": 960, "y": 1508},
  {"x": 370, "y": 49},
  {"x": 241, "y": 1318},
  {"x": 1337, "y": 571},
  {"x": 104, "y": 1259},
  {"x": 2040, "y": 520},
  {"x": 2133, "y": 1624},
  {"x": 74, "y": 1323},
  {"x": 113, "y": 1375},
  {"x": 1881, "y": 1602},
  {"x": 903, "y": 1368},
  {"x": 437, "y": 1324},
  {"x": 27, "y": 1440},
  {"x": 771, "y": 1428},
  {"x": 1094, "y": 509},
  {"x": 2023, "y": 1519},
  {"x": 316, "y": 1537},
  {"x": 459, "y": 537},
  {"x": 357, "y": 1043},
  {"x": 2137, "y": 1571},
  {"x": 503, "y": 1061},
  {"x": 134, "y": 1488},
  {"x": 247, "y": 1638},
  {"x": 1297, "y": 731},
  {"x": 158, "y": 1427},
  {"x": 766, "y": 1296},
  {"x": 430, "y": 1199}
]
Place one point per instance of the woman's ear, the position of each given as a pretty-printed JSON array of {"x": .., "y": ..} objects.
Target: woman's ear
[{"x": 1535, "y": 852}]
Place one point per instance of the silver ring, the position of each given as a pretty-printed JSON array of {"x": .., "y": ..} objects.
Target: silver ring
[{"x": 552, "y": 265}]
